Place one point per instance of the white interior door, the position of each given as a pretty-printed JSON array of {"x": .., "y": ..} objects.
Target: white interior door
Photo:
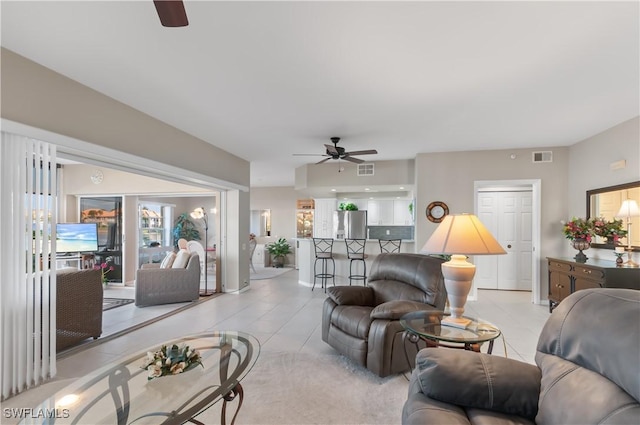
[{"x": 508, "y": 215}]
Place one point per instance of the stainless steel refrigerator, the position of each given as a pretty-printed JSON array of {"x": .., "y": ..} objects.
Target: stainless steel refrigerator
[{"x": 350, "y": 224}]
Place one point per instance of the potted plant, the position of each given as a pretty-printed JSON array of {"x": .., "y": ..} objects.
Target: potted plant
[
  {"x": 278, "y": 250},
  {"x": 184, "y": 228}
]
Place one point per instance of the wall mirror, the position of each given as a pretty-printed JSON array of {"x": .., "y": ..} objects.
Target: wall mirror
[
  {"x": 260, "y": 222},
  {"x": 606, "y": 202}
]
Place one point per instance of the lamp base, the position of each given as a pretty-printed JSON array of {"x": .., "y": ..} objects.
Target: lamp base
[
  {"x": 630, "y": 264},
  {"x": 456, "y": 322}
]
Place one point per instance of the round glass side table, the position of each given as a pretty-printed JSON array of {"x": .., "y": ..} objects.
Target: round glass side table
[{"x": 426, "y": 326}]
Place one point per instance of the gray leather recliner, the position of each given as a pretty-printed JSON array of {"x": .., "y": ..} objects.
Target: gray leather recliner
[
  {"x": 588, "y": 372},
  {"x": 363, "y": 324}
]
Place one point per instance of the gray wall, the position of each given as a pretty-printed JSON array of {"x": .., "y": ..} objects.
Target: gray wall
[
  {"x": 589, "y": 169},
  {"x": 41, "y": 98},
  {"x": 282, "y": 203}
]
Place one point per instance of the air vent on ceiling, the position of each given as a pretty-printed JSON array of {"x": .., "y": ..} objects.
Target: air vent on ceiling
[
  {"x": 542, "y": 156},
  {"x": 365, "y": 169}
]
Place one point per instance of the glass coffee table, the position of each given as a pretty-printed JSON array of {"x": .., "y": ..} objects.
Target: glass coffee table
[
  {"x": 426, "y": 326},
  {"x": 120, "y": 393}
]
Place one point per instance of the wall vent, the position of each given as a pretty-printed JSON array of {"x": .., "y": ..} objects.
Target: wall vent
[
  {"x": 542, "y": 156},
  {"x": 366, "y": 169}
]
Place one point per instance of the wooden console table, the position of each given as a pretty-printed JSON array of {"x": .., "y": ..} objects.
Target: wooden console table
[{"x": 567, "y": 276}]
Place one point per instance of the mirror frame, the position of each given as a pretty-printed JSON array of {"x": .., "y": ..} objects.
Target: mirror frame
[{"x": 615, "y": 188}]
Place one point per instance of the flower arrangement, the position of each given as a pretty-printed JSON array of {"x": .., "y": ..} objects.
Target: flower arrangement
[
  {"x": 609, "y": 229},
  {"x": 578, "y": 228},
  {"x": 104, "y": 270},
  {"x": 171, "y": 361}
]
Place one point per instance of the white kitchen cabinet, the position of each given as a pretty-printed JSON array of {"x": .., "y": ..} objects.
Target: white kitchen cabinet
[
  {"x": 401, "y": 214},
  {"x": 380, "y": 212},
  {"x": 323, "y": 218}
]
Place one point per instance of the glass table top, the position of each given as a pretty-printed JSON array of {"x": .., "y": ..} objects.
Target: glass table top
[
  {"x": 120, "y": 393},
  {"x": 427, "y": 324}
]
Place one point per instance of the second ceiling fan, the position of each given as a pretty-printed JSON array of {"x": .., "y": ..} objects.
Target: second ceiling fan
[{"x": 338, "y": 152}]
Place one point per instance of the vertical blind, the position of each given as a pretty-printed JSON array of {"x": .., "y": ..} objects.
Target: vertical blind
[{"x": 27, "y": 261}]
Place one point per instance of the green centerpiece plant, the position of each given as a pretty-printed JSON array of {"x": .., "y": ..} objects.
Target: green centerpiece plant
[{"x": 279, "y": 249}]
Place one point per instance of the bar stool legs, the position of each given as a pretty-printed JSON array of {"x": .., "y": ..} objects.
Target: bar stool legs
[
  {"x": 324, "y": 274},
  {"x": 323, "y": 250},
  {"x": 356, "y": 252}
]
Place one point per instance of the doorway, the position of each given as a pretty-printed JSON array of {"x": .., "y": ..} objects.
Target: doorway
[{"x": 511, "y": 211}]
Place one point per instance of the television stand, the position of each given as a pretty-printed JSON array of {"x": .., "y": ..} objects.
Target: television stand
[{"x": 83, "y": 261}]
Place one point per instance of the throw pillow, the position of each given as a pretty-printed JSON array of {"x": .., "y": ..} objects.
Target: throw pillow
[
  {"x": 181, "y": 259},
  {"x": 168, "y": 260}
]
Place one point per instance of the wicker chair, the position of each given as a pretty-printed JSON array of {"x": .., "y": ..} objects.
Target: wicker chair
[
  {"x": 79, "y": 296},
  {"x": 155, "y": 285}
]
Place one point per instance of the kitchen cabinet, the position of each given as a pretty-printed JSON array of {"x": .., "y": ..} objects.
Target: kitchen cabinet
[
  {"x": 323, "y": 217},
  {"x": 568, "y": 276},
  {"x": 380, "y": 212},
  {"x": 402, "y": 216}
]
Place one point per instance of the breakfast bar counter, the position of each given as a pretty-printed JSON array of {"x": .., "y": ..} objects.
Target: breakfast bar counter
[{"x": 306, "y": 259}]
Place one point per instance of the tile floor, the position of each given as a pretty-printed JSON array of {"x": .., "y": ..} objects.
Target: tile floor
[{"x": 284, "y": 316}]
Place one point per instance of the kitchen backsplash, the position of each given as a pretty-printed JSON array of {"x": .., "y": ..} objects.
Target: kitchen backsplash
[{"x": 394, "y": 232}]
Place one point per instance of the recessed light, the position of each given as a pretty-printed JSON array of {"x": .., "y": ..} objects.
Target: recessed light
[
  {"x": 366, "y": 188},
  {"x": 333, "y": 190},
  {"x": 401, "y": 187}
]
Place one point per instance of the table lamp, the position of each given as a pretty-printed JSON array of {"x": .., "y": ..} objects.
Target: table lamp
[
  {"x": 628, "y": 209},
  {"x": 459, "y": 236}
]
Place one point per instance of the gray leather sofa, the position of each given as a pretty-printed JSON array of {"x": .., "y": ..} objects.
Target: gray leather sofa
[
  {"x": 588, "y": 372},
  {"x": 363, "y": 324},
  {"x": 155, "y": 285}
]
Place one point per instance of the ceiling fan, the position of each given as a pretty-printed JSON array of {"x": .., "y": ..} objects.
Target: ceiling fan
[
  {"x": 338, "y": 152},
  {"x": 171, "y": 13}
]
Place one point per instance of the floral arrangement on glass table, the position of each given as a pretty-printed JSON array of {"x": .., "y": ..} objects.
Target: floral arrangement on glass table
[
  {"x": 611, "y": 230},
  {"x": 578, "y": 228},
  {"x": 171, "y": 360}
]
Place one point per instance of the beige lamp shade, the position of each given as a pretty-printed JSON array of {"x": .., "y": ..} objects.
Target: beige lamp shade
[{"x": 462, "y": 234}]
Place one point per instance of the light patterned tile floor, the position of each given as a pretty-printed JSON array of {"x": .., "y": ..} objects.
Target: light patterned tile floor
[{"x": 285, "y": 317}]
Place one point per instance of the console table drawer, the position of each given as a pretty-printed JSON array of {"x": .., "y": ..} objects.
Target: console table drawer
[
  {"x": 560, "y": 267},
  {"x": 589, "y": 273}
]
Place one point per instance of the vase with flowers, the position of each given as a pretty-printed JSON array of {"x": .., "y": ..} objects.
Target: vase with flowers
[
  {"x": 611, "y": 230},
  {"x": 580, "y": 232},
  {"x": 104, "y": 268}
]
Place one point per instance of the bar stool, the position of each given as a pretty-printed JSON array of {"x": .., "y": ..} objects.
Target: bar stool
[
  {"x": 390, "y": 245},
  {"x": 355, "y": 252},
  {"x": 324, "y": 253}
]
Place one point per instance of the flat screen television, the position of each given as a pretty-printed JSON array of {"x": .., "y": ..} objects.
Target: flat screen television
[{"x": 76, "y": 237}]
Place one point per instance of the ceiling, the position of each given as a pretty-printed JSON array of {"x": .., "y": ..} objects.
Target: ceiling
[{"x": 263, "y": 80}]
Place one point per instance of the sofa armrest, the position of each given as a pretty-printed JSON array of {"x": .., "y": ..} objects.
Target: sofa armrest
[
  {"x": 394, "y": 310},
  {"x": 479, "y": 380},
  {"x": 351, "y": 295}
]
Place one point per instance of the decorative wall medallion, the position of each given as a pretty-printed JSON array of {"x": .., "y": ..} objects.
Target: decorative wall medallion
[
  {"x": 97, "y": 177},
  {"x": 436, "y": 211}
]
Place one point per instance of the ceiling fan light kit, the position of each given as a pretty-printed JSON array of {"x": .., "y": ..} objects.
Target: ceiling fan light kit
[{"x": 171, "y": 13}]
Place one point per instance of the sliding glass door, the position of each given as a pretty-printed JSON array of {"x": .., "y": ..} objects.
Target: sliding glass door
[{"x": 107, "y": 213}]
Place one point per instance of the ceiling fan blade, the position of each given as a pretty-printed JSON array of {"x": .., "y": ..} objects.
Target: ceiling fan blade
[
  {"x": 308, "y": 154},
  {"x": 332, "y": 150},
  {"x": 324, "y": 160},
  {"x": 354, "y": 160},
  {"x": 367, "y": 152},
  {"x": 171, "y": 13}
]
